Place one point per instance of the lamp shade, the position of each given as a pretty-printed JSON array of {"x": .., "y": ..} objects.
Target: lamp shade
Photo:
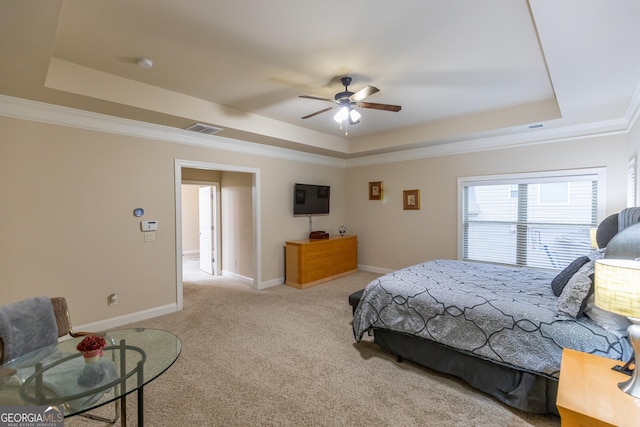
[
  {"x": 341, "y": 115},
  {"x": 617, "y": 286}
]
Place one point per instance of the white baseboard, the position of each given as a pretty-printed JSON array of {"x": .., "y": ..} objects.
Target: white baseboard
[
  {"x": 271, "y": 283},
  {"x": 232, "y": 275},
  {"x": 116, "y": 322},
  {"x": 372, "y": 269}
]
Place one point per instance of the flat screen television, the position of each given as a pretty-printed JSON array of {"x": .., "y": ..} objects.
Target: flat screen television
[{"x": 311, "y": 199}]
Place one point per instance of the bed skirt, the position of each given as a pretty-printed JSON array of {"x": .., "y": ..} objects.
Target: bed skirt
[{"x": 519, "y": 389}]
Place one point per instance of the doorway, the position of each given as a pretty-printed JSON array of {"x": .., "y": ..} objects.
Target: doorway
[
  {"x": 201, "y": 231},
  {"x": 241, "y": 246}
]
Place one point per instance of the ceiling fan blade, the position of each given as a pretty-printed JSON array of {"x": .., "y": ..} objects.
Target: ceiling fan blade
[
  {"x": 318, "y": 112},
  {"x": 364, "y": 92},
  {"x": 375, "y": 106},
  {"x": 316, "y": 97}
]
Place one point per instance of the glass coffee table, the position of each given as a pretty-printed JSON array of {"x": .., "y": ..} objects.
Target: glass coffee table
[{"x": 57, "y": 375}]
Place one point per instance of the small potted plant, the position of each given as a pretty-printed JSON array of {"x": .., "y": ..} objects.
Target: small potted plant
[{"x": 92, "y": 348}]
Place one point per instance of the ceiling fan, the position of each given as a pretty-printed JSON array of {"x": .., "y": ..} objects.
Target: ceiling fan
[{"x": 346, "y": 100}]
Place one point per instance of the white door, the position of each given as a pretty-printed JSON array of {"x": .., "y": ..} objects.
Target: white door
[{"x": 206, "y": 229}]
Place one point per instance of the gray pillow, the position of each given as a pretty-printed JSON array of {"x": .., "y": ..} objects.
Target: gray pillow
[
  {"x": 573, "y": 298},
  {"x": 560, "y": 281}
]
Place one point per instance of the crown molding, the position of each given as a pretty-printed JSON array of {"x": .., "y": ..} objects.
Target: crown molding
[
  {"x": 511, "y": 140},
  {"x": 19, "y": 108},
  {"x": 24, "y": 109}
]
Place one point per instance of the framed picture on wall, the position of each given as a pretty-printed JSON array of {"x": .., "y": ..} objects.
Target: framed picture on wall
[
  {"x": 411, "y": 199},
  {"x": 375, "y": 190}
]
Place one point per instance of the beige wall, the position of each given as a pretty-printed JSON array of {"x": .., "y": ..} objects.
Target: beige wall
[
  {"x": 68, "y": 194},
  {"x": 390, "y": 237},
  {"x": 190, "y": 220},
  {"x": 236, "y": 214},
  {"x": 67, "y": 225}
]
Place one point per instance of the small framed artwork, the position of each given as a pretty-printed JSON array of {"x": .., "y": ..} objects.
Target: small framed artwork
[
  {"x": 411, "y": 199},
  {"x": 375, "y": 190}
]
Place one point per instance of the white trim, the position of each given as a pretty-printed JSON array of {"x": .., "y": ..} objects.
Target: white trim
[
  {"x": 632, "y": 182},
  {"x": 23, "y": 109},
  {"x": 126, "y": 319},
  {"x": 633, "y": 110},
  {"x": 178, "y": 207},
  {"x": 273, "y": 282},
  {"x": 515, "y": 140},
  {"x": 248, "y": 280},
  {"x": 372, "y": 269},
  {"x": 231, "y": 275},
  {"x": 47, "y": 113}
]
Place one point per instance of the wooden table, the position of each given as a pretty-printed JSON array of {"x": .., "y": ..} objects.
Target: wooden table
[{"x": 588, "y": 393}]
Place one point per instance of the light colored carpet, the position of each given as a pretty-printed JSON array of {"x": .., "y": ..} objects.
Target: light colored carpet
[{"x": 287, "y": 357}]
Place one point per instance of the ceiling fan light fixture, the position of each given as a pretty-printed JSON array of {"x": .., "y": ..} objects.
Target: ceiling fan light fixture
[
  {"x": 342, "y": 114},
  {"x": 346, "y": 100}
]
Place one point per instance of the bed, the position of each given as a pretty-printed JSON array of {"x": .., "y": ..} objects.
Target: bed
[{"x": 501, "y": 329}]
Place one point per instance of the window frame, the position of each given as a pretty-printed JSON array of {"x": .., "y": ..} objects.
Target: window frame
[
  {"x": 632, "y": 183},
  {"x": 529, "y": 178}
]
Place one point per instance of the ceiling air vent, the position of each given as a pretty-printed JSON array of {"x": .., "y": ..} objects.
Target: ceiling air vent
[{"x": 202, "y": 128}]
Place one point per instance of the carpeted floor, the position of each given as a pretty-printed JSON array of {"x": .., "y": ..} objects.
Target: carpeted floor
[{"x": 287, "y": 357}]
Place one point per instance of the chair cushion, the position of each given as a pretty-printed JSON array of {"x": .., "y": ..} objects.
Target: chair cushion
[{"x": 26, "y": 326}]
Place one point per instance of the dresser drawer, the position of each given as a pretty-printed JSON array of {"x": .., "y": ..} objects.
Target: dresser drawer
[{"x": 311, "y": 262}]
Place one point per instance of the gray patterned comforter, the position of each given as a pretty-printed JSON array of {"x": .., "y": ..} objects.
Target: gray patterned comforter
[{"x": 504, "y": 314}]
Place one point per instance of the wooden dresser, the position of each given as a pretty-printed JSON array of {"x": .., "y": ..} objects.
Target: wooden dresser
[{"x": 311, "y": 262}]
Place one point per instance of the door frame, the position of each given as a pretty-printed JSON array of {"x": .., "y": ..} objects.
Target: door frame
[{"x": 255, "y": 197}]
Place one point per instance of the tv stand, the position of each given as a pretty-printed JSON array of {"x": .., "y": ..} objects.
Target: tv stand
[{"x": 312, "y": 262}]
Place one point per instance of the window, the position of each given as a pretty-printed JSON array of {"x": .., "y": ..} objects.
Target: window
[
  {"x": 553, "y": 193},
  {"x": 631, "y": 183},
  {"x": 536, "y": 220}
]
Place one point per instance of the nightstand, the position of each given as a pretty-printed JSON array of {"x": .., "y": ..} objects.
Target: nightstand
[{"x": 588, "y": 393}]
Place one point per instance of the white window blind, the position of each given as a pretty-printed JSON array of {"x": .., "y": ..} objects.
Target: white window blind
[
  {"x": 528, "y": 220},
  {"x": 631, "y": 183}
]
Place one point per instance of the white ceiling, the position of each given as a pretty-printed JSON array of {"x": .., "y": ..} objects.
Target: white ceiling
[{"x": 460, "y": 69}]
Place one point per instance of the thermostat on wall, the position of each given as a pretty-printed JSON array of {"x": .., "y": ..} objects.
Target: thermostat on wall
[{"x": 149, "y": 225}]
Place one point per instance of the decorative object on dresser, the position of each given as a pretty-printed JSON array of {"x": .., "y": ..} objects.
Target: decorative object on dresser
[
  {"x": 318, "y": 235},
  {"x": 617, "y": 289},
  {"x": 311, "y": 262}
]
